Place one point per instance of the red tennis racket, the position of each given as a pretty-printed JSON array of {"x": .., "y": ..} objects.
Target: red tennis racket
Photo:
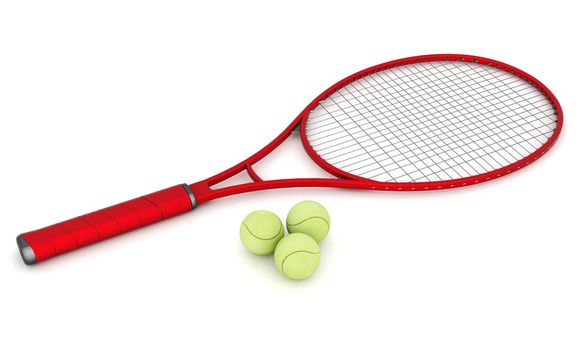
[{"x": 414, "y": 124}]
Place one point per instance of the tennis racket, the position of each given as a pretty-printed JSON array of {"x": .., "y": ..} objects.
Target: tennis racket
[{"x": 414, "y": 124}]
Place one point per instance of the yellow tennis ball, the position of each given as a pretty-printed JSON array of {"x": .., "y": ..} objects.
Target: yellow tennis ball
[
  {"x": 260, "y": 232},
  {"x": 297, "y": 256},
  {"x": 309, "y": 217}
]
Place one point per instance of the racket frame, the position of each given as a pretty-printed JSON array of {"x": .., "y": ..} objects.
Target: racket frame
[{"x": 203, "y": 192}]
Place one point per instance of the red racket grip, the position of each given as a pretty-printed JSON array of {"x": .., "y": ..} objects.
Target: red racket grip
[{"x": 39, "y": 245}]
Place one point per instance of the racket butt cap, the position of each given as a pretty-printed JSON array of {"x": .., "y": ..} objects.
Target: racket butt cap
[{"x": 25, "y": 250}]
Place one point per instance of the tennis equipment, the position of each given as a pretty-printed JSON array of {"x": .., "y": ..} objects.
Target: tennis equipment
[
  {"x": 260, "y": 232},
  {"x": 297, "y": 256},
  {"x": 414, "y": 124},
  {"x": 309, "y": 217}
]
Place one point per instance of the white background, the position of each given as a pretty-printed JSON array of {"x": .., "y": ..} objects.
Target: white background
[{"x": 108, "y": 100}]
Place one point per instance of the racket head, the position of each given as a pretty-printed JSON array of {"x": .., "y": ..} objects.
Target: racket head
[{"x": 469, "y": 94}]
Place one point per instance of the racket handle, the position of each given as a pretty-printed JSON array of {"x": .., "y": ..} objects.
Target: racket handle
[{"x": 39, "y": 245}]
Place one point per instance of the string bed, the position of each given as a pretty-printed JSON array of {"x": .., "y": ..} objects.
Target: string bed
[{"x": 430, "y": 121}]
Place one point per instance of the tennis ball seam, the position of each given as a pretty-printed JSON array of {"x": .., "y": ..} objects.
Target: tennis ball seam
[
  {"x": 290, "y": 254},
  {"x": 263, "y": 239},
  {"x": 306, "y": 219}
]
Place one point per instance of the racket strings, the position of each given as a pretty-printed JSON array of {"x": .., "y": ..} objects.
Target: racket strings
[
  {"x": 430, "y": 121},
  {"x": 328, "y": 118},
  {"x": 317, "y": 138},
  {"x": 498, "y": 165},
  {"x": 449, "y": 144},
  {"x": 472, "y": 130},
  {"x": 527, "y": 104},
  {"x": 328, "y": 140}
]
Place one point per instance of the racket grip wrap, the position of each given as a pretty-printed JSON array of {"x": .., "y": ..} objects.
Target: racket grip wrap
[{"x": 42, "y": 244}]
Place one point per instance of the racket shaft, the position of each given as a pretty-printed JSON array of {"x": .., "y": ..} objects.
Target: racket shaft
[{"x": 39, "y": 245}]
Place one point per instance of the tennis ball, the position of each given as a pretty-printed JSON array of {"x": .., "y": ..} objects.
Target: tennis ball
[
  {"x": 308, "y": 217},
  {"x": 297, "y": 256},
  {"x": 260, "y": 232}
]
